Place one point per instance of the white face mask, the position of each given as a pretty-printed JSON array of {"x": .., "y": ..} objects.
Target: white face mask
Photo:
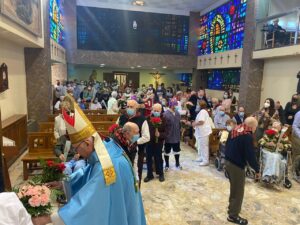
[{"x": 267, "y": 105}]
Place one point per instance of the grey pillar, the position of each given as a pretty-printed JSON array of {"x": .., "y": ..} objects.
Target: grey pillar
[
  {"x": 252, "y": 70},
  {"x": 38, "y": 75}
]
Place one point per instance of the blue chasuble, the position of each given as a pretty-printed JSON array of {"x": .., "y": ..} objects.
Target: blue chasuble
[{"x": 94, "y": 203}]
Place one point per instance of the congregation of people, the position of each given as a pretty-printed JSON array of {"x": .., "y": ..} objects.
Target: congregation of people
[{"x": 153, "y": 122}]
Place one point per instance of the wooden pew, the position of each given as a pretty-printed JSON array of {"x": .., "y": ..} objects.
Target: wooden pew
[
  {"x": 93, "y": 118},
  {"x": 40, "y": 146},
  {"x": 99, "y": 126},
  {"x": 90, "y": 112},
  {"x": 214, "y": 141}
]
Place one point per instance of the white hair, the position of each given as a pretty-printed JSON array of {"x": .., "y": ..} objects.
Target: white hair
[{"x": 114, "y": 94}]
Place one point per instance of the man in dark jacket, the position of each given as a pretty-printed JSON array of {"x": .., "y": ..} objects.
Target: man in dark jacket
[
  {"x": 131, "y": 115},
  {"x": 239, "y": 152},
  {"x": 154, "y": 147}
]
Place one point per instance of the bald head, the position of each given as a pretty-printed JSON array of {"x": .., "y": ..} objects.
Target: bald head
[
  {"x": 132, "y": 104},
  {"x": 252, "y": 123},
  {"x": 129, "y": 130}
]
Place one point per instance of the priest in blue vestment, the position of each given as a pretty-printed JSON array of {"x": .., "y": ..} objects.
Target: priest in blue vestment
[{"x": 105, "y": 192}]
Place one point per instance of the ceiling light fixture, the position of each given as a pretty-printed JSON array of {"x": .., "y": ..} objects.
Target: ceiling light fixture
[
  {"x": 138, "y": 3},
  {"x": 138, "y": 66},
  {"x": 164, "y": 67},
  {"x": 154, "y": 68},
  {"x": 132, "y": 67},
  {"x": 102, "y": 65}
]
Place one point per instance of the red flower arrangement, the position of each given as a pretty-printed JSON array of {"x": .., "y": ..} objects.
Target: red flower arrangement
[
  {"x": 52, "y": 171},
  {"x": 156, "y": 122},
  {"x": 113, "y": 128},
  {"x": 270, "y": 132}
]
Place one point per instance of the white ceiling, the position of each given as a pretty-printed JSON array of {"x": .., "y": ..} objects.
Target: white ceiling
[{"x": 179, "y": 7}]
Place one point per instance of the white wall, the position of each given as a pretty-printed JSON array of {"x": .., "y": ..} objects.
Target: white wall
[
  {"x": 14, "y": 100},
  {"x": 279, "y": 79}
]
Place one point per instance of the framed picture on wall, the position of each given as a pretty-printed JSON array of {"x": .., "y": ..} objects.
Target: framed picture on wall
[
  {"x": 26, "y": 13},
  {"x": 3, "y": 77}
]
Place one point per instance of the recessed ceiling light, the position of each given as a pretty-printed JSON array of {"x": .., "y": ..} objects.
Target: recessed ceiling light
[
  {"x": 138, "y": 66},
  {"x": 102, "y": 65},
  {"x": 154, "y": 68},
  {"x": 164, "y": 67},
  {"x": 132, "y": 67},
  {"x": 138, "y": 3}
]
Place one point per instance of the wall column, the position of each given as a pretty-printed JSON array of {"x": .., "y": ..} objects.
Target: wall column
[
  {"x": 252, "y": 70},
  {"x": 38, "y": 75}
]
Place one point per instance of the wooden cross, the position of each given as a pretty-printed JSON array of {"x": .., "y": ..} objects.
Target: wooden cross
[
  {"x": 209, "y": 60},
  {"x": 235, "y": 59},
  {"x": 200, "y": 62},
  {"x": 215, "y": 59},
  {"x": 221, "y": 59},
  {"x": 204, "y": 61},
  {"x": 228, "y": 57}
]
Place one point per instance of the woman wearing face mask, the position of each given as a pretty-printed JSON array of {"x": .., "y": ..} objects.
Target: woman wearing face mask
[
  {"x": 227, "y": 101},
  {"x": 202, "y": 131},
  {"x": 291, "y": 109},
  {"x": 265, "y": 117}
]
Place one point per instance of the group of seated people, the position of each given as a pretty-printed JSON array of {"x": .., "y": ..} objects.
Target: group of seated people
[{"x": 194, "y": 107}]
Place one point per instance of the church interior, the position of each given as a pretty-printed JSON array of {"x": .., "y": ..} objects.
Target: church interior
[{"x": 247, "y": 50}]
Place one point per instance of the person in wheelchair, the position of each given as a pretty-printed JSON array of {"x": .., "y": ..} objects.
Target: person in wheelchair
[{"x": 274, "y": 147}]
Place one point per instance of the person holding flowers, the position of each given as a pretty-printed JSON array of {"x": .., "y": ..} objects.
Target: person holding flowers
[{"x": 158, "y": 132}]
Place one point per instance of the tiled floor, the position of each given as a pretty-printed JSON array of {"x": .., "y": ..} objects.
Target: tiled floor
[{"x": 199, "y": 195}]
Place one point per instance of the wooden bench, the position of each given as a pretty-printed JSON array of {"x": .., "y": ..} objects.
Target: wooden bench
[
  {"x": 93, "y": 118},
  {"x": 40, "y": 146},
  {"x": 99, "y": 126}
]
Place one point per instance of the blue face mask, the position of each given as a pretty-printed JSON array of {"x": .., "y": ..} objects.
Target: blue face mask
[
  {"x": 177, "y": 108},
  {"x": 130, "y": 112},
  {"x": 229, "y": 128},
  {"x": 135, "y": 138},
  {"x": 221, "y": 113},
  {"x": 156, "y": 114},
  {"x": 241, "y": 114}
]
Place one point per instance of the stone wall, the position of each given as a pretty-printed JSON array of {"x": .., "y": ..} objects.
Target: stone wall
[
  {"x": 252, "y": 70},
  {"x": 59, "y": 72},
  {"x": 38, "y": 75}
]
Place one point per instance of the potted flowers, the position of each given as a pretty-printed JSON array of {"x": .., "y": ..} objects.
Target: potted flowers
[{"x": 36, "y": 199}]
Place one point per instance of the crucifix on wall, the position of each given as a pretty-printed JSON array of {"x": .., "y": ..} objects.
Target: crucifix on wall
[
  {"x": 209, "y": 60},
  {"x": 157, "y": 75},
  {"x": 221, "y": 59},
  {"x": 235, "y": 58},
  {"x": 228, "y": 57},
  {"x": 215, "y": 60}
]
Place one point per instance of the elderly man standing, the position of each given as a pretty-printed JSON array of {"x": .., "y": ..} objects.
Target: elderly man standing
[
  {"x": 112, "y": 105},
  {"x": 220, "y": 118},
  {"x": 105, "y": 191},
  {"x": 154, "y": 147},
  {"x": 131, "y": 115},
  {"x": 172, "y": 140},
  {"x": 239, "y": 152}
]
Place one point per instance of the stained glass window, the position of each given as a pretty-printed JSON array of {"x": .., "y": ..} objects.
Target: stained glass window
[
  {"x": 222, "y": 29},
  {"x": 57, "y": 21},
  {"x": 130, "y": 31},
  {"x": 223, "y": 79}
]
